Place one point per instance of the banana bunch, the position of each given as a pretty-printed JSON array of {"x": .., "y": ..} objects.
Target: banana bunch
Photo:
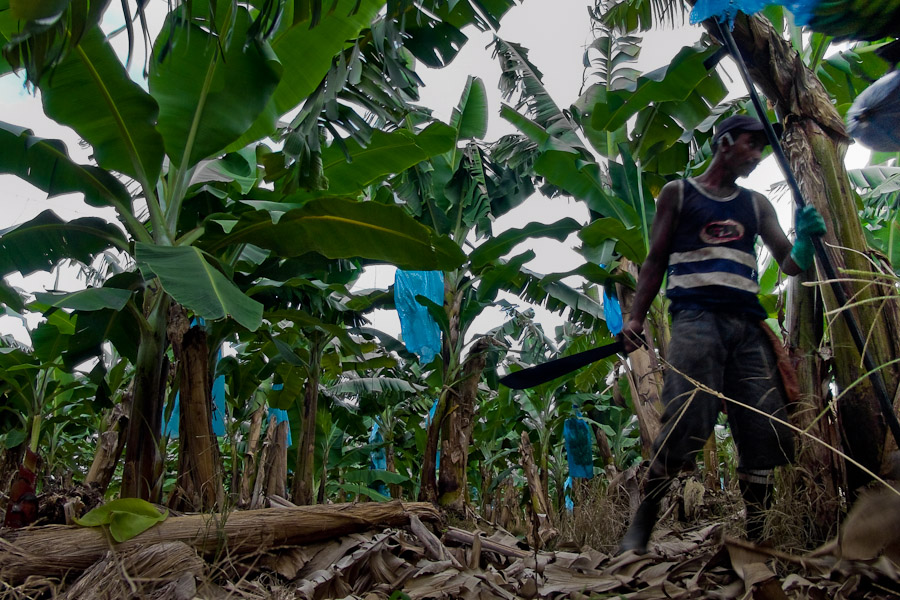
[
  {"x": 874, "y": 118},
  {"x": 849, "y": 19}
]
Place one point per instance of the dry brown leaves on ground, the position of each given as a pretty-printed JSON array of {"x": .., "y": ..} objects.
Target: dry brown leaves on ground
[{"x": 414, "y": 562}]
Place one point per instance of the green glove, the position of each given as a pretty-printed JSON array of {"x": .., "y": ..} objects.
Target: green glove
[{"x": 809, "y": 223}]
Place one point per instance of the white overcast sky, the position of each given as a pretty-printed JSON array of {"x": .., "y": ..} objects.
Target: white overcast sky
[{"x": 556, "y": 32}]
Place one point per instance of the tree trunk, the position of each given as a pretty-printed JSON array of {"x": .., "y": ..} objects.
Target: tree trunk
[
  {"x": 456, "y": 432},
  {"x": 276, "y": 471},
  {"x": 603, "y": 448},
  {"x": 428, "y": 486},
  {"x": 302, "y": 490},
  {"x": 395, "y": 489},
  {"x": 58, "y": 550},
  {"x": 251, "y": 467},
  {"x": 822, "y": 473},
  {"x": 199, "y": 485},
  {"x": 815, "y": 141},
  {"x": 711, "y": 464},
  {"x": 428, "y": 489},
  {"x": 540, "y": 529},
  {"x": 143, "y": 463},
  {"x": 271, "y": 478},
  {"x": 110, "y": 445},
  {"x": 10, "y": 459},
  {"x": 644, "y": 375}
]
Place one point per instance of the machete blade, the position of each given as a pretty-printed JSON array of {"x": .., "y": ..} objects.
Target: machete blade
[{"x": 544, "y": 372}]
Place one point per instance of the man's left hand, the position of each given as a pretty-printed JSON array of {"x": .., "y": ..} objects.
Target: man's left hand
[{"x": 809, "y": 223}]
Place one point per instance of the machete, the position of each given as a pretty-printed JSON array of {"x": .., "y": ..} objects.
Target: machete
[{"x": 544, "y": 372}]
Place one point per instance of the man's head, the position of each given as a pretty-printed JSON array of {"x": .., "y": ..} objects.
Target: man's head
[
  {"x": 739, "y": 143},
  {"x": 733, "y": 126}
]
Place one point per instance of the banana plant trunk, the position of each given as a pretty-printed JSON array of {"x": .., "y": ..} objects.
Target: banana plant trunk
[
  {"x": 250, "y": 462},
  {"x": 815, "y": 142},
  {"x": 109, "y": 446},
  {"x": 143, "y": 462},
  {"x": 302, "y": 490},
  {"x": 821, "y": 470},
  {"x": 199, "y": 484},
  {"x": 644, "y": 375},
  {"x": 456, "y": 431},
  {"x": 428, "y": 488}
]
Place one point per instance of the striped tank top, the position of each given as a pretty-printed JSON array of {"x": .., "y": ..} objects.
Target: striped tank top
[{"x": 712, "y": 264}]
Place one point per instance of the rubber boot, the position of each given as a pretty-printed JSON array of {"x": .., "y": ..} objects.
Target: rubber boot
[
  {"x": 757, "y": 501},
  {"x": 641, "y": 527}
]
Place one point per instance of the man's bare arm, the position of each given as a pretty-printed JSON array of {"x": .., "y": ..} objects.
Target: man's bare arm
[
  {"x": 774, "y": 238},
  {"x": 654, "y": 268}
]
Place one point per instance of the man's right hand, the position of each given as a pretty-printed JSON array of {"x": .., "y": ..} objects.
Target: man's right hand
[{"x": 633, "y": 335}]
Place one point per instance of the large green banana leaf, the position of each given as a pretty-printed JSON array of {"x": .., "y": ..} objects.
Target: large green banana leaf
[
  {"x": 207, "y": 100},
  {"x": 10, "y": 298},
  {"x": 629, "y": 240},
  {"x": 483, "y": 14},
  {"x": 39, "y": 244},
  {"x": 582, "y": 180},
  {"x": 550, "y": 292},
  {"x": 387, "y": 153},
  {"x": 339, "y": 228},
  {"x": 46, "y": 165},
  {"x": 306, "y": 53},
  {"x": 192, "y": 281},
  {"x": 87, "y": 299},
  {"x": 30, "y": 10},
  {"x": 90, "y": 91},
  {"x": 493, "y": 279},
  {"x": 48, "y": 342},
  {"x": 96, "y": 327},
  {"x": 374, "y": 385},
  {"x": 470, "y": 116},
  {"x": 673, "y": 83},
  {"x": 502, "y": 244}
]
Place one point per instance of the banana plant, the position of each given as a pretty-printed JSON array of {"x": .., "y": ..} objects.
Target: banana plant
[
  {"x": 879, "y": 187},
  {"x": 219, "y": 75},
  {"x": 458, "y": 193}
]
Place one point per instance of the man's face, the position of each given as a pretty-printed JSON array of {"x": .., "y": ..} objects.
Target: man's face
[{"x": 746, "y": 152}]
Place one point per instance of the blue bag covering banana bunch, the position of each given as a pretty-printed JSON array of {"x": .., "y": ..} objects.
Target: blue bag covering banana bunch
[
  {"x": 874, "y": 118},
  {"x": 848, "y": 19}
]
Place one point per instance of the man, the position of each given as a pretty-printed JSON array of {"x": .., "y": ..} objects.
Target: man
[{"x": 703, "y": 237}]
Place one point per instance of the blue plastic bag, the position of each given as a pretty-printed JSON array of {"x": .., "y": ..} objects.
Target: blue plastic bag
[
  {"x": 171, "y": 427},
  {"x": 281, "y": 416},
  {"x": 612, "y": 313},
  {"x": 612, "y": 310},
  {"x": 419, "y": 330},
  {"x": 725, "y": 10},
  {"x": 803, "y": 10},
  {"x": 428, "y": 419},
  {"x": 579, "y": 448},
  {"x": 567, "y": 489},
  {"x": 379, "y": 459}
]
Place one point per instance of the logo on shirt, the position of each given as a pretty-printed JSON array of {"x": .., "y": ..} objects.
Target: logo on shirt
[{"x": 721, "y": 232}]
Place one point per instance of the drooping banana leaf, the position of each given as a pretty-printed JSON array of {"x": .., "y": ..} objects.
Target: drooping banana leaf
[
  {"x": 208, "y": 99},
  {"x": 39, "y": 244},
  {"x": 339, "y": 228},
  {"x": 187, "y": 275},
  {"x": 91, "y": 92}
]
